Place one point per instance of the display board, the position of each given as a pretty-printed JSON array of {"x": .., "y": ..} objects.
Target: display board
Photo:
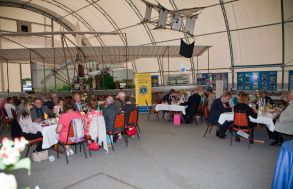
[
  {"x": 143, "y": 90},
  {"x": 266, "y": 80},
  {"x": 210, "y": 79},
  {"x": 290, "y": 80},
  {"x": 155, "y": 80}
]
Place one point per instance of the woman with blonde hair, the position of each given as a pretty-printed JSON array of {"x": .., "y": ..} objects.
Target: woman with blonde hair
[{"x": 244, "y": 107}]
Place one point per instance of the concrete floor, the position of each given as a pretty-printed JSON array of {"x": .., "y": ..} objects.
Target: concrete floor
[{"x": 166, "y": 157}]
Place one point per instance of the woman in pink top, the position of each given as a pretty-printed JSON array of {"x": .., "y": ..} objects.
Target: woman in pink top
[
  {"x": 89, "y": 115},
  {"x": 64, "y": 121}
]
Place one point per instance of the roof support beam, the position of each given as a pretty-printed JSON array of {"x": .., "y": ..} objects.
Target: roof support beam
[
  {"x": 283, "y": 43},
  {"x": 222, "y": 4}
]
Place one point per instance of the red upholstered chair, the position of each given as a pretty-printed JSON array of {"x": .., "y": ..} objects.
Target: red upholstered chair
[
  {"x": 241, "y": 123},
  {"x": 118, "y": 128},
  {"x": 5, "y": 121},
  {"x": 133, "y": 121},
  {"x": 33, "y": 142},
  {"x": 69, "y": 142}
]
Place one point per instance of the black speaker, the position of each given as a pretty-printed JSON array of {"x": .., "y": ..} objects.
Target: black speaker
[{"x": 80, "y": 70}]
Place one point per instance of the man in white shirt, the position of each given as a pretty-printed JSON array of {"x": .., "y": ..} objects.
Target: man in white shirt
[
  {"x": 8, "y": 106},
  {"x": 285, "y": 122}
]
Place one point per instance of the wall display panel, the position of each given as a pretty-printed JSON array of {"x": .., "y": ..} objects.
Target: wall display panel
[
  {"x": 210, "y": 79},
  {"x": 266, "y": 80},
  {"x": 290, "y": 80}
]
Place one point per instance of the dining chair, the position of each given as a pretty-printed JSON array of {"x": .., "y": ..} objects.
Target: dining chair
[
  {"x": 151, "y": 110},
  {"x": 33, "y": 142},
  {"x": 133, "y": 121},
  {"x": 5, "y": 121},
  {"x": 241, "y": 123},
  {"x": 209, "y": 125},
  {"x": 70, "y": 135},
  {"x": 118, "y": 128}
]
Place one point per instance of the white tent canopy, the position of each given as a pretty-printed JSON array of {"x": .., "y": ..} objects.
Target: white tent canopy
[
  {"x": 245, "y": 35},
  {"x": 108, "y": 55}
]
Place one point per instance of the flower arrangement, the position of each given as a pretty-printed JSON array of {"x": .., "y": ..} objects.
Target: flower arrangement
[
  {"x": 10, "y": 152},
  {"x": 84, "y": 99}
]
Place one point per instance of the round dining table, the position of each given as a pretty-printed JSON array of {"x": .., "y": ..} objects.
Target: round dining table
[{"x": 283, "y": 176}]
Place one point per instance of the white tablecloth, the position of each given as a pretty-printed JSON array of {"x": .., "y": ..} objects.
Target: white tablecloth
[
  {"x": 266, "y": 119},
  {"x": 50, "y": 136},
  {"x": 97, "y": 129},
  {"x": 172, "y": 107}
]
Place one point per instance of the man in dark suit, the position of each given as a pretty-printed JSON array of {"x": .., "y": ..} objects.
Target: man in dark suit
[
  {"x": 110, "y": 113},
  {"x": 218, "y": 107},
  {"x": 38, "y": 110},
  {"x": 77, "y": 102},
  {"x": 192, "y": 105}
]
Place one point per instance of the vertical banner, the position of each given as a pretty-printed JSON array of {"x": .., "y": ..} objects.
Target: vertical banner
[{"x": 143, "y": 89}]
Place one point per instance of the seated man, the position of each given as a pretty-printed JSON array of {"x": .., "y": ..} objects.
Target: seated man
[
  {"x": 38, "y": 110},
  {"x": 120, "y": 100},
  {"x": 110, "y": 113},
  {"x": 265, "y": 99},
  {"x": 218, "y": 107},
  {"x": 192, "y": 105},
  {"x": 77, "y": 102},
  {"x": 285, "y": 122}
]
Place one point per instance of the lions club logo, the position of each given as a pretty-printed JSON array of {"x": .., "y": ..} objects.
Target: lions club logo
[{"x": 143, "y": 90}]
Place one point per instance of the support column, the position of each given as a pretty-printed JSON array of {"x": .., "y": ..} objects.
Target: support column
[
  {"x": 45, "y": 82},
  {"x": 2, "y": 77},
  {"x": 208, "y": 60},
  {"x": 54, "y": 56},
  {"x": 20, "y": 70},
  {"x": 7, "y": 72},
  {"x": 126, "y": 45},
  {"x": 222, "y": 4},
  {"x": 283, "y": 44}
]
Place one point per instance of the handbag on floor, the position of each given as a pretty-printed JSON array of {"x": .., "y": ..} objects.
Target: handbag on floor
[
  {"x": 40, "y": 156},
  {"x": 177, "y": 119},
  {"x": 131, "y": 131},
  {"x": 93, "y": 146}
]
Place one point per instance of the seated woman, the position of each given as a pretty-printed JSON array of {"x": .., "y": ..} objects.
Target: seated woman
[
  {"x": 128, "y": 108},
  {"x": 8, "y": 106},
  {"x": 58, "y": 109},
  {"x": 242, "y": 105},
  {"x": 64, "y": 122},
  {"x": 93, "y": 104},
  {"x": 28, "y": 130}
]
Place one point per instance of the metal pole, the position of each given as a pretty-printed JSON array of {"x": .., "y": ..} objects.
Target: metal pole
[
  {"x": 20, "y": 70},
  {"x": 208, "y": 60},
  {"x": 7, "y": 74},
  {"x": 31, "y": 67},
  {"x": 283, "y": 43},
  {"x": 196, "y": 66},
  {"x": 126, "y": 60},
  {"x": 44, "y": 72},
  {"x": 2, "y": 77},
  {"x": 168, "y": 65},
  {"x": 54, "y": 55}
]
